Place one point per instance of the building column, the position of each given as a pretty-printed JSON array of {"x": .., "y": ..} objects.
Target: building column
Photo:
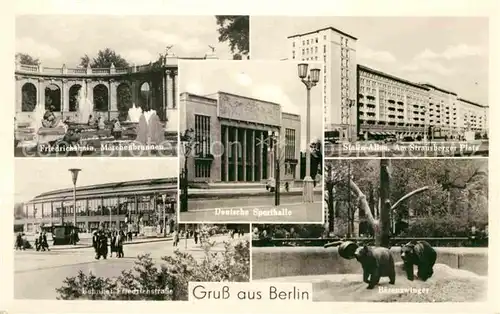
[
  {"x": 113, "y": 97},
  {"x": 252, "y": 164},
  {"x": 133, "y": 86},
  {"x": 19, "y": 95},
  {"x": 235, "y": 154},
  {"x": 244, "y": 155},
  {"x": 226, "y": 153},
  {"x": 270, "y": 147},
  {"x": 261, "y": 159},
  {"x": 170, "y": 89},
  {"x": 41, "y": 92},
  {"x": 64, "y": 96},
  {"x": 163, "y": 96},
  {"x": 174, "y": 89}
]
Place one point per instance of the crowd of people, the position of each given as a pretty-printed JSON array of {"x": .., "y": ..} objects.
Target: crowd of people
[{"x": 115, "y": 239}]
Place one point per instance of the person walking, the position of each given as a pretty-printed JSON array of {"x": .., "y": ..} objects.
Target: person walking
[
  {"x": 119, "y": 243},
  {"x": 102, "y": 245},
  {"x": 176, "y": 237},
  {"x": 95, "y": 241},
  {"x": 45, "y": 243},
  {"x": 19, "y": 241},
  {"x": 113, "y": 244}
]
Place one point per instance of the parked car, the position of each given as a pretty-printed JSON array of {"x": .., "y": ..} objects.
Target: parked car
[
  {"x": 391, "y": 139},
  {"x": 270, "y": 185}
]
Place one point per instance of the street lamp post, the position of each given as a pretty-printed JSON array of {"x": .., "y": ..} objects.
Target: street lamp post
[
  {"x": 309, "y": 80},
  {"x": 187, "y": 141},
  {"x": 74, "y": 177},
  {"x": 276, "y": 162}
]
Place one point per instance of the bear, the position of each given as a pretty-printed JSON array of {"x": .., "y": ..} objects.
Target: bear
[
  {"x": 418, "y": 253},
  {"x": 376, "y": 262}
]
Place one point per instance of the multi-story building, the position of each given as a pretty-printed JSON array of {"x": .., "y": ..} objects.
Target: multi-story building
[
  {"x": 235, "y": 137},
  {"x": 337, "y": 51},
  {"x": 364, "y": 103},
  {"x": 472, "y": 116},
  {"x": 388, "y": 105}
]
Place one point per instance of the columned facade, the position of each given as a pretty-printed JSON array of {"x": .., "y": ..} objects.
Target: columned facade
[
  {"x": 234, "y": 139},
  {"x": 248, "y": 156},
  {"x": 58, "y": 88}
]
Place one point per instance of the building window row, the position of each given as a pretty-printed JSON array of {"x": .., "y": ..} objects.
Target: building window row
[{"x": 93, "y": 207}]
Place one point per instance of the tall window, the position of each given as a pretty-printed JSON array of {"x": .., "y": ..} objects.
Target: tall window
[
  {"x": 202, "y": 134},
  {"x": 202, "y": 137},
  {"x": 289, "y": 143}
]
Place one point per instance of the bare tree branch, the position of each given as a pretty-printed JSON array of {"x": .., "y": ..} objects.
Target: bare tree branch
[
  {"x": 363, "y": 204},
  {"x": 420, "y": 190}
]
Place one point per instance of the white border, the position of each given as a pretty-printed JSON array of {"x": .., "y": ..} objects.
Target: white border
[{"x": 257, "y": 7}]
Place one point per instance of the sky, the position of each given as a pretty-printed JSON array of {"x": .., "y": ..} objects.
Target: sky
[
  {"x": 449, "y": 52},
  {"x": 34, "y": 176},
  {"x": 274, "y": 81},
  {"x": 63, "y": 39}
]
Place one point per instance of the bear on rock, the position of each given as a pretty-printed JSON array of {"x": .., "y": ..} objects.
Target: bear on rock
[
  {"x": 418, "y": 253},
  {"x": 376, "y": 262}
]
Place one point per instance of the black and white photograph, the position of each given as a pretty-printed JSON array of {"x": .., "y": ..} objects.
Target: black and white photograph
[
  {"x": 123, "y": 236},
  {"x": 106, "y": 86},
  {"x": 394, "y": 86},
  {"x": 250, "y": 142},
  {"x": 396, "y": 230}
]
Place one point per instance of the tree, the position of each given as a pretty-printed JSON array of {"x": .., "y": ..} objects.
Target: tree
[
  {"x": 189, "y": 143},
  {"x": 104, "y": 59},
  {"x": 167, "y": 281},
  {"x": 26, "y": 59},
  {"x": 19, "y": 211},
  {"x": 235, "y": 29}
]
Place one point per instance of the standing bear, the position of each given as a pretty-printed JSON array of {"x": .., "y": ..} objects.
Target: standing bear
[
  {"x": 376, "y": 262},
  {"x": 418, "y": 253}
]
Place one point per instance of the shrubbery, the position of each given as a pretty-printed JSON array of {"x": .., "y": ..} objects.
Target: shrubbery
[
  {"x": 444, "y": 226},
  {"x": 171, "y": 276}
]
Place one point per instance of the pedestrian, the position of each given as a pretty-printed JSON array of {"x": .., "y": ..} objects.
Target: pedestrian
[
  {"x": 45, "y": 243},
  {"x": 119, "y": 243},
  {"x": 102, "y": 245},
  {"x": 113, "y": 244},
  {"x": 176, "y": 237},
  {"x": 95, "y": 240},
  {"x": 196, "y": 237},
  {"x": 19, "y": 241}
]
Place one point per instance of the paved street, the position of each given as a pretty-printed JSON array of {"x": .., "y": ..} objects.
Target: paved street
[
  {"x": 254, "y": 209},
  {"x": 38, "y": 274}
]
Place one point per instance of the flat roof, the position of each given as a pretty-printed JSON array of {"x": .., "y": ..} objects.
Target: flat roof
[
  {"x": 439, "y": 89},
  {"x": 250, "y": 98},
  {"x": 324, "y": 29},
  {"x": 472, "y": 103},
  {"x": 125, "y": 187},
  {"x": 392, "y": 77},
  {"x": 205, "y": 97}
]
